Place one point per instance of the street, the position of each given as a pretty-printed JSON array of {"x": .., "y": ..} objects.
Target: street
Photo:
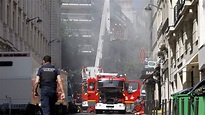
[
  {"x": 131, "y": 56},
  {"x": 100, "y": 114}
]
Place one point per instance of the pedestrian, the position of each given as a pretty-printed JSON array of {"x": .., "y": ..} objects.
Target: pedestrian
[{"x": 47, "y": 77}]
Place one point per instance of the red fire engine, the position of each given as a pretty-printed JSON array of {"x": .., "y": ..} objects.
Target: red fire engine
[
  {"x": 87, "y": 72},
  {"x": 106, "y": 92},
  {"x": 112, "y": 92}
]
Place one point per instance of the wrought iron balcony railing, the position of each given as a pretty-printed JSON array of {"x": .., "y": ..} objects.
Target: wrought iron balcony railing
[{"x": 178, "y": 8}]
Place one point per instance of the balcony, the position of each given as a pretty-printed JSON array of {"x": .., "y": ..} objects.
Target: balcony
[
  {"x": 77, "y": 17},
  {"x": 181, "y": 8},
  {"x": 183, "y": 11},
  {"x": 86, "y": 49},
  {"x": 76, "y": 4},
  {"x": 77, "y": 1}
]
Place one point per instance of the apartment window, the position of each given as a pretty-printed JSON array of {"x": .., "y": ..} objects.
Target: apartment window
[
  {"x": 23, "y": 28},
  {"x": 1, "y": 9},
  {"x": 32, "y": 37},
  {"x": 19, "y": 23},
  {"x": 25, "y": 5},
  {"x": 35, "y": 39},
  {"x": 14, "y": 17},
  {"x": 25, "y": 31},
  {"x": 18, "y": 26},
  {"x": 181, "y": 45},
  {"x": 183, "y": 42},
  {"x": 181, "y": 76},
  {"x": 39, "y": 42},
  {"x": 174, "y": 54},
  {"x": 8, "y": 15},
  {"x": 171, "y": 55},
  {"x": 175, "y": 81},
  {"x": 177, "y": 49}
]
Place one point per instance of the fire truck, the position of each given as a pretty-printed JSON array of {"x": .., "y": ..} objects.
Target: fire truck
[
  {"x": 91, "y": 72},
  {"x": 87, "y": 72},
  {"x": 107, "y": 91},
  {"x": 112, "y": 92}
]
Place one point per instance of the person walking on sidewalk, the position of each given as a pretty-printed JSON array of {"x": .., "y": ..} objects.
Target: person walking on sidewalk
[{"x": 47, "y": 76}]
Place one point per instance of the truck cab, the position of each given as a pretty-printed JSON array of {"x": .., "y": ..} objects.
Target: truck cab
[{"x": 106, "y": 92}]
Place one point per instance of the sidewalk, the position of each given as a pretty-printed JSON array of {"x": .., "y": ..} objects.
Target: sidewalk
[{"x": 159, "y": 112}]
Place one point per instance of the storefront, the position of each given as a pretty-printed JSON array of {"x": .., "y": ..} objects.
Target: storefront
[{"x": 148, "y": 82}]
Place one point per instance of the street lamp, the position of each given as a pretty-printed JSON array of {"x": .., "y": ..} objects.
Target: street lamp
[
  {"x": 157, "y": 72},
  {"x": 38, "y": 19},
  {"x": 148, "y": 8}
]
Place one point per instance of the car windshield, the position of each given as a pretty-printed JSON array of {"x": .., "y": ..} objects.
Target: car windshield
[{"x": 110, "y": 83}]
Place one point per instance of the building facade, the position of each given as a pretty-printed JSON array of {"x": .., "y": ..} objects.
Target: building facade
[
  {"x": 25, "y": 25},
  {"x": 81, "y": 22},
  {"x": 178, "y": 45}
]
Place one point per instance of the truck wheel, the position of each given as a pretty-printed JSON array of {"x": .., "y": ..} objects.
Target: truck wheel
[
  {"x": 99, "y": 111},
  {"x": 123, "y": 112},
  {"x": 60, "y": 109},
  {"x": 33, "y": 110}
]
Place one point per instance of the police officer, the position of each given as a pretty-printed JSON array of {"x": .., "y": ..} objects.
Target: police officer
[{"x": 47, "y": 76}]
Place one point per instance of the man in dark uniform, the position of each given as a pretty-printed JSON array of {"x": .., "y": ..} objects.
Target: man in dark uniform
[{"x": 47, "y": 76}]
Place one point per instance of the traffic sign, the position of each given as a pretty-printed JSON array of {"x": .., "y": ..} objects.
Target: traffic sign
[
  {"x": 152, "y": 64},
  {"x": 142, "y": 55}
]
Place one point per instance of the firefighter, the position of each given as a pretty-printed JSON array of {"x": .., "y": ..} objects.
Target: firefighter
[{"x": 47, "y": 76}]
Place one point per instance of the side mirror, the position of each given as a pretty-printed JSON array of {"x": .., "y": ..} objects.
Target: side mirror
[
  {"x": 92, "y": 86},
  {"x": 138, "y": 97}
]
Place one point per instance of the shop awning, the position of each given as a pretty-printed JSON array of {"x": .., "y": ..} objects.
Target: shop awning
[{"x": 146, "y": 72}]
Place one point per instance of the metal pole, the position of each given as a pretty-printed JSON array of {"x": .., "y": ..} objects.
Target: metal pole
[
  {"x": 156, "y": 107},
  {"x": 159, "y": 89},
  {"x": 145, "y": 106},
  {"x": 192, "y": 76},
  {"x": 165, "y": 107},
  {"x": 9, "y": 99},
  {"x": 152, "y": 107},
  {"x": 170, "y": 103}
]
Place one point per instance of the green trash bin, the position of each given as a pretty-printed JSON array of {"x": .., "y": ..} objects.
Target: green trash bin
[
  {"x": 190, "y": 101},
  {"x": 180, "y": 99}
]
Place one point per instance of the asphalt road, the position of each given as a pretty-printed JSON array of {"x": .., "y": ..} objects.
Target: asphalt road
[
  {"x": 99, "y": 114},
  {"x": 84, "y": 113}
]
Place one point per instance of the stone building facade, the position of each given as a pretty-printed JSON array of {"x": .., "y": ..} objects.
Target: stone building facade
[
  {"x": 28, "y": 25},
  {"x": 178, "y": 44}
]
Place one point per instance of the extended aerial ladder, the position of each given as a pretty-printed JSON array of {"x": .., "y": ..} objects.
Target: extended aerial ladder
[
  {"x": 104, "y": 27},
  {"x": 90, "y": 72}
]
